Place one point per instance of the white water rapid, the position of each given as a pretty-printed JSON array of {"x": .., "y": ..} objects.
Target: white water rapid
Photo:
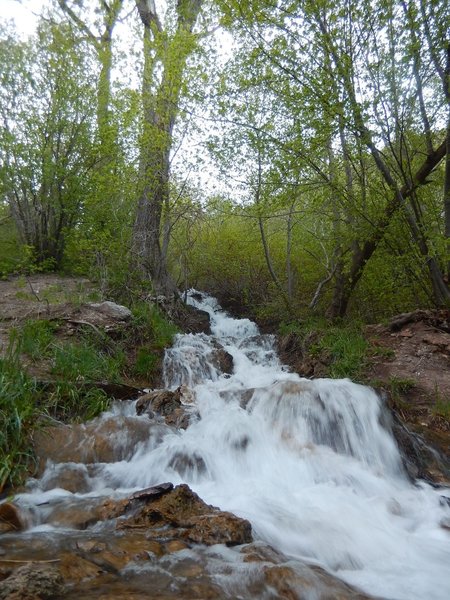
[{"x": 310, "y": 463}]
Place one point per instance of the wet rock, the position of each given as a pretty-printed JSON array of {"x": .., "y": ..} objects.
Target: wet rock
[
  {"x": 262, "y": 552},
  {"x": 74, "y": 568},
  {"x": 176, "y": 546},
  {"x": 296, "y": 583},
  {"x": 152, "y": 493},
  {"x": 222, "y": 360},
  {"x": 189, "y": 517},
  {"x": 163, "y": 402},
  {"x": 167, "y": 404},
  {"x": 72, "y": 477},
  {"x": 75, "y": 514},
  {"x": 32, "y": 582},
  {"x": 219, "y": 528},
  {"x": 100, "y": 440},
  {"x": 112, "y": 310},
  {"x": 187, "y": 464},
  {"x": 10, "y": 519},
  {"x": 191, "y": 320},
  {"x": 421, "y": 461}
]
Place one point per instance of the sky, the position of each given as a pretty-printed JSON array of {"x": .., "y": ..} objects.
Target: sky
[{"x": 23, "y": 13}]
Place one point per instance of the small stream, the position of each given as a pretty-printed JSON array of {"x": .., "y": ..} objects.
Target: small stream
[{"x": 312, "y": 464}]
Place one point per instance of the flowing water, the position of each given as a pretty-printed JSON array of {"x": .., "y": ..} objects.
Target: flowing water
[{"x": 311, "y": 464}]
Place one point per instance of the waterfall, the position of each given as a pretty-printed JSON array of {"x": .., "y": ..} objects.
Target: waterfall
[{"x": 312, "y": 464}]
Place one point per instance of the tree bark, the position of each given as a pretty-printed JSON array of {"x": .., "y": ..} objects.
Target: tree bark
[{"x": 160, "y": 110}]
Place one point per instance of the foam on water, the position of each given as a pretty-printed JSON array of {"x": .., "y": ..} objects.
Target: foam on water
[{"x": 311, "y": 463}]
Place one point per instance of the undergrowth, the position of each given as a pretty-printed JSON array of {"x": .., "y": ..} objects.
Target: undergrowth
[{"x": 341, "y": 348}]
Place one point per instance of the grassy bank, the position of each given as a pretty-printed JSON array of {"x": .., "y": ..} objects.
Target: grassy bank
[{"x": 49, "y": 372}]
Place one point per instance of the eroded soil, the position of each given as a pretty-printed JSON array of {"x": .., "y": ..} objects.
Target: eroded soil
[{"x": 411, "y": 360}]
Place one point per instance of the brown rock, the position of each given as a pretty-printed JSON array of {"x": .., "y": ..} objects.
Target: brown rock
[
  {"x": 153, "y": 492},
  {"x": 76, "y": 514},
  {"x": 71, "y": 477},
  {"x": 220, "y": 528},
  {"x": 222, "y": 360},
  {"x": 182, "y": 514},
  {"x": 10, "y": 519},
  {"x": 74, "y": 568},
  {"x": 176, "y": 546},
  {"x": 32, "y": 582},
  {"x": 167, "y": 404},
  {"x": 99, "y": 440},
  {"x": 305, "y": 582},
  {"x": 260, "y": 552},
  {"x": 163, "y": 402}
]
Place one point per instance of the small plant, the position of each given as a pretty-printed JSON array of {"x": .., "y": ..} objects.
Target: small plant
[
  {"x": 34, "y": 338},
  {"x": 82, "y": 361},
  {"x": 145, "y": 362},
  {"x": 151, "y": 325},
  {"x": 399, "y": 385},
  {"x": 382, "y": 352},
  {"x": 342, "y": 347},
  {"x": 76, "y": 403},
  {"x": 442, "y": 409},
  {"x": 18, "y": 415}
]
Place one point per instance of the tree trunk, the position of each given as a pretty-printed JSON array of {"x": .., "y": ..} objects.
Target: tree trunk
[
  {"x": 160, "y": 110},
  {"x": 363, "y": 254}
]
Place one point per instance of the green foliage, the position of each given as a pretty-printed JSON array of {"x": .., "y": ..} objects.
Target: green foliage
[
  {"x": 34, "y": 338},
  {"x": 145, "y": 363},
  {"x": 75, "y": 403},
  {"x": 18, "y": 414},
  {"x": 441, "y": 409},
  {"x": 149, "y": 324},
  {"x": 341, "y": 347},
  {"x": 83, "y": 361},
  {"x": 400, "y": 385}
]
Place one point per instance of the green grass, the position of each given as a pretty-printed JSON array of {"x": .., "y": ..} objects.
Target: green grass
[
  {"x": 341, "y": 347},
  {"x": 76, "y": 365},
  {"x": 18, "y": 414},
  {"x": 442, "y": 409},
  {"x": 34, "y": 338},
  {"x": 145, "y": 363},
  {"x": 82, "y": 361},
  {"x": 150, "y": 325},
  {"x": 24, "y": 406}
]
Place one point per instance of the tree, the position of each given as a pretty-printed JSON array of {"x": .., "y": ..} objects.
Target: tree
[
  {"x": 353, "y": 75},
  {"x": 46, "y": 138},
  {"x": 166, "y": 51},
  {"x": 101, "y": 40}
]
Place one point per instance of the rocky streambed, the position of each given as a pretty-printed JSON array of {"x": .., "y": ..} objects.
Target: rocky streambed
[
  {"x": 239, "y": 479},
  {"x": 160, "y": 542}
]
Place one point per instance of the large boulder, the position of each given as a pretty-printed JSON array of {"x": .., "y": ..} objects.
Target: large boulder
[
  {"x": 112, "y": 310},
  {"x": 179, "y": 513},
  {"x": 100, "y": 440}
]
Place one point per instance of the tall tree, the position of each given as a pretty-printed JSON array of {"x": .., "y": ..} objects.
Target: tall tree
[
  {"x": 347, "y": 73},
  {"x": 166, "y": 51},
  {"x": 46, "y": 138},
  {"x": 101, "y": 38}
]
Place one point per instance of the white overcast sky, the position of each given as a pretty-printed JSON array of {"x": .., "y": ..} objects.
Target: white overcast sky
[{"x": 23, "y": 13}]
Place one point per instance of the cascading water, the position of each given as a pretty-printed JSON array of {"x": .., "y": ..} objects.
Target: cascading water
[{"x": 310, "y": 463}]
